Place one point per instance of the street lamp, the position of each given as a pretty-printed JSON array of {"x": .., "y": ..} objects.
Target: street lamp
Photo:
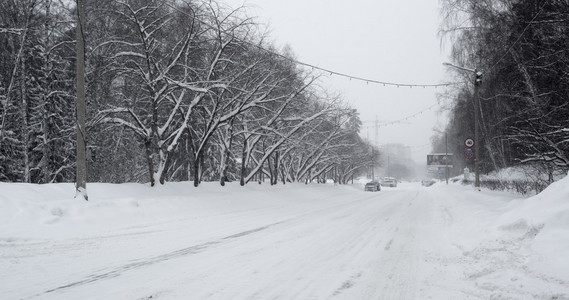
[{"x": 477, "y": 82}]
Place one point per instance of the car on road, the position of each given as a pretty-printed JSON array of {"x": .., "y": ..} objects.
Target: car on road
[
  {"x": 389, "y": 181},
  {"x": 372, "y": 186}
]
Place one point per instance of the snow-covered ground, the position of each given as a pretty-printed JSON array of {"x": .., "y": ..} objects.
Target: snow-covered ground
[
  {"x": 295, "y": 241},
  {"x": 523, "y": 173}
]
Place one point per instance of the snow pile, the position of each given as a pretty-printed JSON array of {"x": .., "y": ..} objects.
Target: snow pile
[
  {"x": 544, "y": 218},
  {"x": 499, "y": 246},
  {"x": 512, "y": 173},
  {"x": 522, "y": 173},
  {"x": 50, "y": 211}
]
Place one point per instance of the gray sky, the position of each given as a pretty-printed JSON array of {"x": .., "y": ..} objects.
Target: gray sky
[{"x": 384, "y": 40}]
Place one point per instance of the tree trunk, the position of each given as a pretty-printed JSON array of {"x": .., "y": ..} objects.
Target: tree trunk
[
  {"x": 243, "y": 163},
  {"x": 223, "y": 171},
  {"x": 81, "y": 180},
  {"x": 164, "y": 167},
  {"x": 283, "y": 175},
  {"x": 226, "y": 152},
  {"x": 188, "y": 162},
  {"x": 149, "y": 160},
  {"x": 46, "y": 151},
  {"x": 276, "y": 167},
  {"x": 197, "y": 168},
  {"x": 336, "y": 175},
  {"x": 271, "y": 171},
  {"x": 24, "y": 125}
]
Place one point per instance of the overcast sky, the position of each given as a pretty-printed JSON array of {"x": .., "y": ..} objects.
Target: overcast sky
[{"x": 384, "y": 40}]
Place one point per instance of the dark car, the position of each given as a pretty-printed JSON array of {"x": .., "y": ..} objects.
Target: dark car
[{"x": 372, "y": 186}]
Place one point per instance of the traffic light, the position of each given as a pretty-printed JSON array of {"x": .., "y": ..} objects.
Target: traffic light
[{"x": 478, "y": 79}]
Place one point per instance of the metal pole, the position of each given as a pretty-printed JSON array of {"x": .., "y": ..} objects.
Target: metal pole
[{"x": 477, "y": 82}]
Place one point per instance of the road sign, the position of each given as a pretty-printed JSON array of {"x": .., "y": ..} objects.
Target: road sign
[
  {"x": 469, "y": 142},
  {"x": 440, "y": 160},
  {"x": 468, "y": 153}
]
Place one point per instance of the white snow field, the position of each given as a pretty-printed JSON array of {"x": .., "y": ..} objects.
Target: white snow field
[{"x": 294, "y": 241}]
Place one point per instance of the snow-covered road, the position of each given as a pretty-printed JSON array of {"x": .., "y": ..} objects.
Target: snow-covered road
[{"x": 327, "y": 242}]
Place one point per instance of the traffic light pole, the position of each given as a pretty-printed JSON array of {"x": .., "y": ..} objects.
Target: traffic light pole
[{"x": 477, "y": 82}]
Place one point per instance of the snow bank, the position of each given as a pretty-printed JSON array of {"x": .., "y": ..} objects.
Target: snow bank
[
  {"x": 508, "y": 247},
  {"x": 50, "y": 211},
  {"x": 544, "y": 220},
  {"x": 521, "y": 173}
]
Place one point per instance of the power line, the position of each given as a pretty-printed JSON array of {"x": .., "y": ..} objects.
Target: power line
[
  {"x": 351, "y": 77},
  {"x": 404, "y": 118},
  {"x": 328, "y": 71}
]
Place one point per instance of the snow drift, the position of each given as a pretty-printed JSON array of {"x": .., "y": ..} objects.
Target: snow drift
[{"x": 546, "y": 217}]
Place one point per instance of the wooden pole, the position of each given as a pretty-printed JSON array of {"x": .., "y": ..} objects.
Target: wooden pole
[{"x": 81, "y": 159}]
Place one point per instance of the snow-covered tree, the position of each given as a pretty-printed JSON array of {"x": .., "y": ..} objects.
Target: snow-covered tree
[
  {"x": 521, "y": 48},
  {"x": 35, "y": 87},
  {"x": 176, "y": 90}
]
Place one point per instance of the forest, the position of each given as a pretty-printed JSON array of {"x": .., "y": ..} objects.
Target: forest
[
  {"x": 520, "y": 50},
  {"x": 176, "y": 90}
]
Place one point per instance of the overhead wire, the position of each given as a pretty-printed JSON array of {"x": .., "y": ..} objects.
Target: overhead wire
[
  {"x": 351, "y": 77},
  {"x": 383, "y": 124},
  {"x": 327, "y": 71}
]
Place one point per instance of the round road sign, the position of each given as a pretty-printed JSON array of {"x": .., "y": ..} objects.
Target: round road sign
[{"x": 469, "y": 142}]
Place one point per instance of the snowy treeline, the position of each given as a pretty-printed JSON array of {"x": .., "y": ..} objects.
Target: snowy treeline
[
  {"x": 176, "y": 90},
  {"x": 521, "y": 49}
]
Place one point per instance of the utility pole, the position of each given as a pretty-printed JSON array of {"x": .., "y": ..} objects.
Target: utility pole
[
  {"x": 376, "y": 131},
  {"x": 387, "y": 171},
  {"x": 81, "y": 159},
  {"x": 446, "y": 156},
  {"x": 372, "y": 163},
  {"x": 477, "y": 82},
  {"x": 376, "y": 123}
]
